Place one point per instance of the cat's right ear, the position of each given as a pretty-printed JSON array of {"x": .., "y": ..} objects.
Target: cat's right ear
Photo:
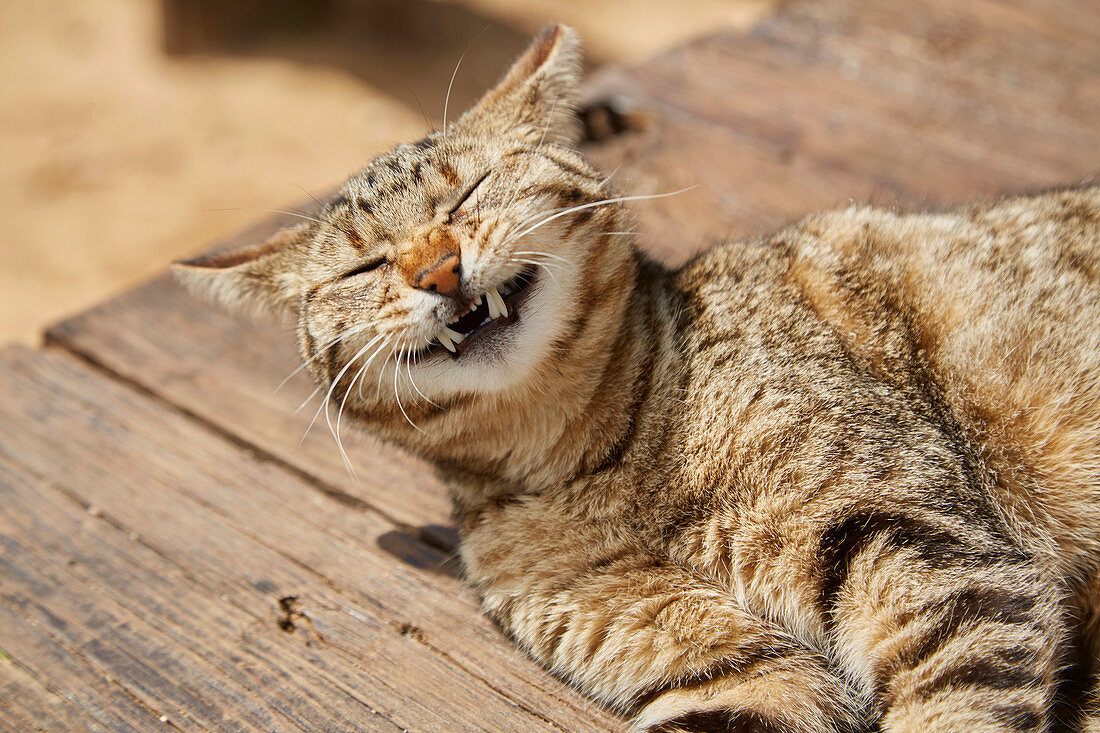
[
  {"x": 537, "y": 99},
  {"x": 261, "y": 277}
]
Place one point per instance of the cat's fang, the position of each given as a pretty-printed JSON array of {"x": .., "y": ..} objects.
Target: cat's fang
[
  {"x": 491, "y": 303},
  {"x": 496, "y": 300},
  {"x": 446, "y": 341},
  {"x": 453, "y": 335}
]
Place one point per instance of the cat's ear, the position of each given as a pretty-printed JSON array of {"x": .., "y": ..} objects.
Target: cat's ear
[
  {"x": 260, "y": 277},
  {"x": 539, "y": 94}
]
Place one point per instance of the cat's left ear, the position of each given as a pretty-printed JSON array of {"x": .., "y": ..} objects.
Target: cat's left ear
[
  {"x": 539, "y": 95},
  {"x": 260, "y": 277}
]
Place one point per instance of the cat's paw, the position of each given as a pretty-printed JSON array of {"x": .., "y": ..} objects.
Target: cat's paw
[
  {"x": 726, "y": 721},
  {"x": 797, "y": 695}
]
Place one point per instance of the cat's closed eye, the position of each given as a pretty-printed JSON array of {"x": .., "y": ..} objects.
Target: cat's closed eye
[
  {"x": 467, "y": 194},
  {"x": 365, "y": 267}
]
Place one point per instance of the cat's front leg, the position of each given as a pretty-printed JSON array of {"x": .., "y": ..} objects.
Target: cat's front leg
[
  {"x": 644, "y": 635},
  {"x": 949, "y": 635}
]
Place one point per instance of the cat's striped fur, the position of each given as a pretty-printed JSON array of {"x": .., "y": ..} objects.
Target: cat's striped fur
[{"x": 840, "y": 477}]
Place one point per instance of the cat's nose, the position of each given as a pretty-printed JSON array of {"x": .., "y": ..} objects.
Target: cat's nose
[{"x": 444, "y": 277}]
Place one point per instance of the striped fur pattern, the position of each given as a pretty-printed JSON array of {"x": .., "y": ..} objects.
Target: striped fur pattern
[{"x": 843, "y": 477}]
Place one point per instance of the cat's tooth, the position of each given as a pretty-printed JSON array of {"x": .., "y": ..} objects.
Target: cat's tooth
[
  {"x": 491, "y": 302},
  {"x": 502, "y": 309},
  {"x": 446, "y": 340},
  {"x": 453, "y": 335},
  {"x": 477, "y": 302}
]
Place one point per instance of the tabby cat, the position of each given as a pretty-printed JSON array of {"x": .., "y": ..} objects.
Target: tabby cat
[{"x": 842, "y": 477}]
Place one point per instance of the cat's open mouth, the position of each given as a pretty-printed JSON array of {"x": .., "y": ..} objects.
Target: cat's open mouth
[{"x": 492, "y": 311}]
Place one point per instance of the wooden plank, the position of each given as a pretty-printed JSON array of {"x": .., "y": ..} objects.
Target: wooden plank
[
  {"x": 138, "y": 625},
  {"x": 86, "y": 699},
  {"x": 23, "y": 699},
  {"x": 225, "y": 370},
  {"x": 29, "y": 703},
  {"x": 206, "y": 541},
  {"x": 831, "y": 102}
]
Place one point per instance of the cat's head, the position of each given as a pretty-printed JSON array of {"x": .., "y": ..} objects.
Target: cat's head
[{"x": 466, "y": 263}]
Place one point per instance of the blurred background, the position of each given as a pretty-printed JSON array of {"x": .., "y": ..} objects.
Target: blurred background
[{"x": 134, "y": 132}]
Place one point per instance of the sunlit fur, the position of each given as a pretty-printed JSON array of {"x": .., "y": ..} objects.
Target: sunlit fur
[{"x": 844, "y": 475}]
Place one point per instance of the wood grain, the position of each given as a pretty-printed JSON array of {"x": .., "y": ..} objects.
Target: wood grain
[
  {"x": 45, "y": 687},
  {"x": 225, "y": 370},
  {"x": 159, "y": 552},
  {"x": 829, "y": 103}
]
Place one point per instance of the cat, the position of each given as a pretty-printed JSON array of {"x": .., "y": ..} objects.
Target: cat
[{"x": 845, "y": 476}]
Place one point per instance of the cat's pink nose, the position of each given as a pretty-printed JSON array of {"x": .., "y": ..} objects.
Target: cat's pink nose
[{"x": 444, "y": 277}]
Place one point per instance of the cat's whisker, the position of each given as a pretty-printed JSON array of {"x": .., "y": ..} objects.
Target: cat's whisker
[
  {"x": 604, "y": 202},
  {"x": 447, "y": 98},
  {"x": 539, "y": 263},
  {"x": 338, "y": 338},
  {"x": 372, "y": 357},
  {"x": 328, "y": 396},
  {"x": 409, "y": 366},
  {"x": 547, "y": 254},
  {"x": 408, "y": 370},
  {"x": 513, "y": 229},
  {"x": 515, "y": 192},
  {"x": 427, "y": 122},
  {"x": 306, "y": 191},
  {"x": 357, "y": 378},
  {"x": 324, "y": 401},
  {"x": 397, "y": 393},
  {"x": 382, "y": 371},
  {"x": 543, "y": 265},
  {"x": 531, "y": 218},
  {"x": 340, "y": 413},
  {"x": 611, "y": 175},
  {"x": 340, "y": 375},
  {"x": 270, "y": 211},
  {"x": 516, "y": 227},
  {"x": 546, "y": 127},
  {"x": 308, "y": 399}
]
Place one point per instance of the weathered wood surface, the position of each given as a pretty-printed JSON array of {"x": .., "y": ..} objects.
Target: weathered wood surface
[
  {"x": 830, "y": 103},
  {"x": 169, "y": 547},
  {"x": 157, "y": 549}
]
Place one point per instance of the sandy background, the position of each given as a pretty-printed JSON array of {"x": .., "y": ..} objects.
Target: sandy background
[{"x": 134, "y": 132}]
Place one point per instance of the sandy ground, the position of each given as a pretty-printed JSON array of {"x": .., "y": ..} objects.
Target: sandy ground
[{"x": 120, "y": 155}]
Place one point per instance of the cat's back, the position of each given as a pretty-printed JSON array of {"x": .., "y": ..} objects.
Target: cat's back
[{"x": 994, "y": 308}]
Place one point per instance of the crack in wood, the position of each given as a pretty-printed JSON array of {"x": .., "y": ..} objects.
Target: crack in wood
[{"x": 294, "y": 619}]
